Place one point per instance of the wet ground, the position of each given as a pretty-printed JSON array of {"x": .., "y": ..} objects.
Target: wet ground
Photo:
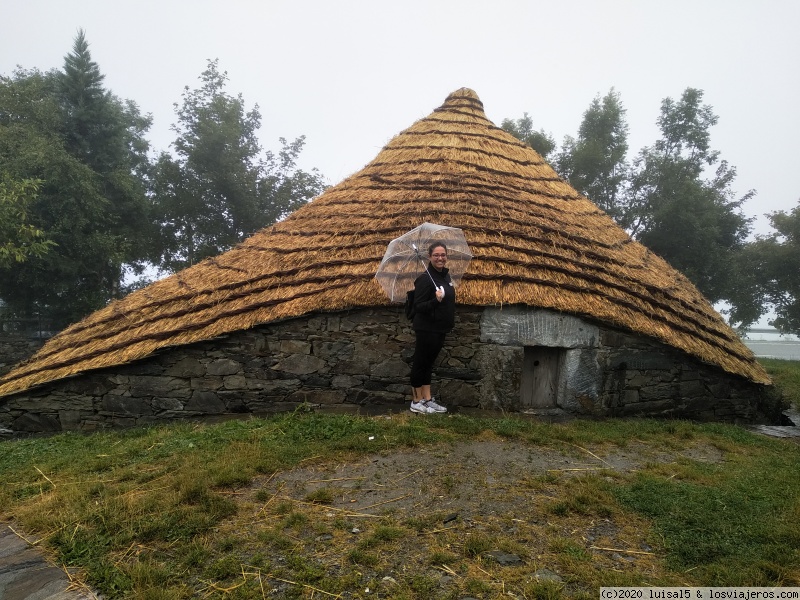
[{"x": 26, "y": 573}]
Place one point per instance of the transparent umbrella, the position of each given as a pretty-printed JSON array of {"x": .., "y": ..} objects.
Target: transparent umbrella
[{"x": 407, "y": 256}]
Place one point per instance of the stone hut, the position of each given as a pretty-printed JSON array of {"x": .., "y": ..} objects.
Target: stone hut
[{"x": 559, "y": 310}]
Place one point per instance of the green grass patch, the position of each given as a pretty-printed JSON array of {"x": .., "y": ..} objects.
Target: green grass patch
[
  {"x": 786, "y": 377},
  {"x": 162, "y": 512}
]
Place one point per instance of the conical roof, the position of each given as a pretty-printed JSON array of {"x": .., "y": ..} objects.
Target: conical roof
[{"x": 536, "y": 240}]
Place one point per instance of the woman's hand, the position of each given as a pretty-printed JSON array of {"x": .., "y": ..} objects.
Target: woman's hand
[{"x": 440, "y": 293}]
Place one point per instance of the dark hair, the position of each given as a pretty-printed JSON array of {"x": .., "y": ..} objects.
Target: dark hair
[{"x": 436, "y": 245}]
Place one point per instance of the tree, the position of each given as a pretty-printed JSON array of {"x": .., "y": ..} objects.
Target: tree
[
  {"x": 522, "y": 129},
  {"x": 594, "y": 163},
  {"x": 19, "y": 240},
  {"x": 107, "y": 134},
  {"x": 776, "y": 265},
  {"x": 693, "y": 222},
  {"x": 87, "y": 149},
  {"x": 220, "y": 186}
]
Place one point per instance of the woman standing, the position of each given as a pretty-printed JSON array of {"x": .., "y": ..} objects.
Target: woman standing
[{"x": 435, "y": 309}]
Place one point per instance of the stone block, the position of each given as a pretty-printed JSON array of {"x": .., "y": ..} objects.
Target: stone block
[
  {"x": 207, "y": 403},
  {"x": 317, "y": 396},
  {"x": 255, "y": 341},
  {"x": 239, "y": 402},
  {"x": 142, "y": 386},
  {"x": 186, "y": 367},
  {"x": 457, "y": 393},
  {"x": 692, "y": 389},
  {"x": 533, "y": 327},
  {"x": 125, "y": 405},
  {"x": 630, "y": 397},
  {"x": 234, "y": 382},
  {"x": 463, "y": 373},
  {"x": 636, "y": 360},
  {"x": 332, "y": 323},
  {"x": 167, "y": 404},
  {"x": 657, "y": 407},
  {"x": 579, "y": 380},
  {"x": 70, "y": 419},
  {"x": 464, "y": 352},
  {"x": 257, "y": 383},
  {"x": 327, "y": 350},
  {"x": 635, "y": 379},
  {"x": 206, "y": 383},
  {"x": 279, "y": 387},
  {"x": 373, "y": 385},
  {"x": 357, "y": 396},
  {"x": 300, "y": 364},
  {"x": 142, "y": 368},
  {"x": 223, "y": 366},
  {"x": 654, "y": 393},
  {"x": 88, "y": 386},
  {"x": 343, "y": 382},
  {"x": 720, "y": 389},
  {"x": 394, "y": 367},
  {"x": 53, "y": 404},
  {"x": 295, "y": 347},
  {"x": 386, "y": 397},
  {"x": 690, "y": 375}
]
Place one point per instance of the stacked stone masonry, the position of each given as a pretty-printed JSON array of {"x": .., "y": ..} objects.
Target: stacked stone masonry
[
  {"x": 14, "y": 349},
  {"x": 363, "y": 358}
]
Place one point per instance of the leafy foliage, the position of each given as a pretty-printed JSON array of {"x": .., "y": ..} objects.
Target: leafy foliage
[
  {"x": 87, "y": 149},
  {"x": 775, "y": 265},
  {"x": 522, "y": 129},
  {"x": 594, "y": 163},
  {"x": 695, "y": 223},
  {"x": 18, "y": 238},
  {"x": 220, "y": 187},
  {"x": 665, "y": 198}
]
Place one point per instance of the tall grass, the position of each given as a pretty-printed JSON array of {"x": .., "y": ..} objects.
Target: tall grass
[{"x": 153, "y": 512}]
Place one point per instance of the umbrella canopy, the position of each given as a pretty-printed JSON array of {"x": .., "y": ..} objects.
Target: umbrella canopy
[{"x": 406, "y": 257}]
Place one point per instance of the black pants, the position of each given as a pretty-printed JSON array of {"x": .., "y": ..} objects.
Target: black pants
[{"x": 428, "y": 346}]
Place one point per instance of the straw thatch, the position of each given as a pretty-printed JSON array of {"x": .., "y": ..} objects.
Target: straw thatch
[{"x": 537, "y": 242}]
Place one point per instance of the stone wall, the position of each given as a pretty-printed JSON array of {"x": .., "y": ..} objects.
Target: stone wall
[
  {"x": 363, "y": 357},
  {"x": 16, "y": 348}
]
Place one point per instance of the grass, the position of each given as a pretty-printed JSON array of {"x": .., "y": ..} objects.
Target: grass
[
  {"x": 175, "y": 511},
  {"x": 786, "y": 375}
]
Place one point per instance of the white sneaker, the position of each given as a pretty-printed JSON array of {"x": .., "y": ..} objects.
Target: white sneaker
[
  {"x": 421, "y": 407},
  {"x": 435, "y": 406}
]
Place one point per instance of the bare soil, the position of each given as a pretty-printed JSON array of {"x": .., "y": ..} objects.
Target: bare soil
[{"x": 485, "y": 510}]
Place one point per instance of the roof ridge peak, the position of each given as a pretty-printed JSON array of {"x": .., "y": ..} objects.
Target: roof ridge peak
[{"x": 461, "y": 98}]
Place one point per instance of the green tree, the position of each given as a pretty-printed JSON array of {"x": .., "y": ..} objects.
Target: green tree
[
  {"x": 694, "y": 222},
  {"x": 775, "y": 263},
  {"x": 19, "y": 240},
  {"x": 522, "y": 129},
  {"x": 87, "y": 149},
  {"x": 219, "y": 186},
  {"x": 595, "y": 162},
  {"x": 108, "y": 135}
]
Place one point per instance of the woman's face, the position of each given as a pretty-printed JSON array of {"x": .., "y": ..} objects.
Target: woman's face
[{"x": 439, "y": 257}]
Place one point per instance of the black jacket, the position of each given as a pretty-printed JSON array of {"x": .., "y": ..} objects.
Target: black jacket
[{"x": 432, "y": 315}]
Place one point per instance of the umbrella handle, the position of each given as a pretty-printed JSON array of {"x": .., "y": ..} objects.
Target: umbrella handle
[{"x": 423, "y": 264}]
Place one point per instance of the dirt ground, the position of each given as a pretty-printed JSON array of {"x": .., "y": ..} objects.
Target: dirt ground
[
  {"x": 478, "y": 477},
  {"x": 503, "y": 494}
]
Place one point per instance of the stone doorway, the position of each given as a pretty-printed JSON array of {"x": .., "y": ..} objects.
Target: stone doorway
[{"x": 540, "y": 376}]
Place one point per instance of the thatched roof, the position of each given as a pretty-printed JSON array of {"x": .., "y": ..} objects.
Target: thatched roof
[{"x": 537, "y": 242}]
